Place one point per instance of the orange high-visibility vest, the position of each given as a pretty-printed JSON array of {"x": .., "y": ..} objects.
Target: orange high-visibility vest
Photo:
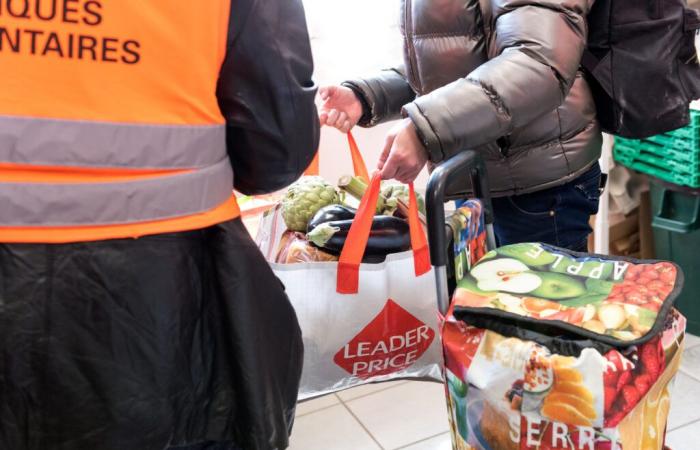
[{"x": 109, "y": 121}]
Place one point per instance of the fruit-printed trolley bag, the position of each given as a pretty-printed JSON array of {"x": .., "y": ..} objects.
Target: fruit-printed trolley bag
[{"x": 548, "y": 349}]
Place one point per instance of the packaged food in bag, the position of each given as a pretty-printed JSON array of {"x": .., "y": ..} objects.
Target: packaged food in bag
[{"x": 295, "y": 248}]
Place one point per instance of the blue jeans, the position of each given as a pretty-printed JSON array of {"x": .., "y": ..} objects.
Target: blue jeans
[{"x": 558, "y": 216}]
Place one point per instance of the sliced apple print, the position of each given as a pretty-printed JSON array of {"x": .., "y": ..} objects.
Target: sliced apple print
[
  {"x": 510, "y": 303},
  {"x": 612, "y": 316},
  {"x": 539, "y": 305},
  {"x": 505, "y": 275},
  {"x": 466, "y": 297}
]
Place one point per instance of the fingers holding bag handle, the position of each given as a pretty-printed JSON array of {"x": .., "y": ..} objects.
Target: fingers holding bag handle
[
  {"x": 348, "y": 279},
  {"x": 358, "y": 163},
  {"x": 360, "y": 169}
]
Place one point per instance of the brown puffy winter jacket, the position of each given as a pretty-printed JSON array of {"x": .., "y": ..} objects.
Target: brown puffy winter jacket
[{"x": 501, "y": 76}]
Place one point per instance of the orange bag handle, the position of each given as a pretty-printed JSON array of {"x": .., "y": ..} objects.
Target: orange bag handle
[
  {"x": 348, "y": 280},
  {"x": 358, "y": 163},
  {"x": 419, "y": 242},
  {"x": 314, "y": 168}
]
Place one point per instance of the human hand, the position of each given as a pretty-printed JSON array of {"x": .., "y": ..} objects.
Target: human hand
[
  {"x": 404, "y": 155},
  {"x": 340, "y": 109}
]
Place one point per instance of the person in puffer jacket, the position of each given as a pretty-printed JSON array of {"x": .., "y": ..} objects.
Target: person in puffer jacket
[{"x": 502, "y": 77}]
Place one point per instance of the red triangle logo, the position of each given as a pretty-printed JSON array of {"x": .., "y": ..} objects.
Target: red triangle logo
[{"x": 391, "y": 342}]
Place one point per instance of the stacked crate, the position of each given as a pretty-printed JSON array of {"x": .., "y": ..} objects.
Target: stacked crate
[{"x": 673, "y": 157}]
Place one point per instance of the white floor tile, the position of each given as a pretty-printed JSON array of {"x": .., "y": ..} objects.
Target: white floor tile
[
  {"x": 333, "y": 428},
  {"x": 684, "y": 403},
  {"x": 442, "y": 442},
  {"x": 691, "y": 362},
  {"x": 403, "y": 415},
  {"x": 316, "y": 404},
  {"x": 367, "y": 389},
  {"x": 691, "y": 341},
  {"x": 685, "y": 438}
]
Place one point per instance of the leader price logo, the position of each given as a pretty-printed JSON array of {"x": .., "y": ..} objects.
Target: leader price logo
[{"x": 391, "y": 342}]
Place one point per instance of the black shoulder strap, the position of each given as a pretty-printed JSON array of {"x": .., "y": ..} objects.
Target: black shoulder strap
[
  {"x": 589, "y": 61},
  {"x": 592, "y": 65}
]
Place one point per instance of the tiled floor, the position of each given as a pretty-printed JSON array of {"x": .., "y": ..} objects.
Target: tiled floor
[{"x": 412, "y": 415}]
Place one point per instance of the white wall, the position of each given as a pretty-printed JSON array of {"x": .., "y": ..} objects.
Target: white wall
[{"x": 351, "y": 39}]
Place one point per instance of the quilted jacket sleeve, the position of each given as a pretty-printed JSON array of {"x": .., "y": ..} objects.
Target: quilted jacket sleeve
[
  {"x": 535, "y": 51},
  {"x": 382, "y": 95},
  {"x": 266, "y": 94}
]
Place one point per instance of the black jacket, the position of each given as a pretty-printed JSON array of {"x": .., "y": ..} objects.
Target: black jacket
[{"x": 267, "y": 95}]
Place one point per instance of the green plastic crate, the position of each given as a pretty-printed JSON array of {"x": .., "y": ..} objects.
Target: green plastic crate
[
  {"x": 633, "y": 151},
  {"x": 686, "y": 138},
  {"x": 684, "y": 167},
  {"x": 680, "y": 144},
  {"x": 672, "y": 156},
  {"x": 688, "y": 132},
  {"x": 683, "y": 179},
  {"x": 676, "y": 225},
  {"x": 679, "y": 148}
]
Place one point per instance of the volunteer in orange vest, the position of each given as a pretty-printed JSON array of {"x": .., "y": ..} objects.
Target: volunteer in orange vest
[{"x": 136, "y": 313}]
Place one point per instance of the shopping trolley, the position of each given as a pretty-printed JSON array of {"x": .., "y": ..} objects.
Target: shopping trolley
[{"x": 565, "y": 385}]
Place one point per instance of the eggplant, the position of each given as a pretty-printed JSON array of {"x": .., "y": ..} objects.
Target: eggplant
[
  {"x": 331, "y": 213},
  {"x": 388, "y": 235}
]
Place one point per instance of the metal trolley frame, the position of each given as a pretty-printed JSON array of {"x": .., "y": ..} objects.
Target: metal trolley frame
[{"x": 447, "y": 183}]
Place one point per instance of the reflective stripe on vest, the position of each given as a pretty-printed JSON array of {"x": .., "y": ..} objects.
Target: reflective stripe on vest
[
  {"x": 52, "y": 142},
  {"x": 138, "y": 200},
  {"x": 109, "y": 122}
]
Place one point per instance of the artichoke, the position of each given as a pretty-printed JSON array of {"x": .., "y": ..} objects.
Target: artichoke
[
  {"x": 303, "y": 200},
  {"x": 392, "y": 193}
]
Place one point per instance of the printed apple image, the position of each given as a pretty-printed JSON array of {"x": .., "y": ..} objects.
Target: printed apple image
[
  {"x": 548, "y": 313},
  {"x": 599, "y": 286},
  {"x": 469, "y": 283},
  {"x": 490, "y": 255},
  {"x": 505, "y": 275},
  {"x": 528, "y": 253},
  {"x": 589, "y": 313},
  {"x": 642, "y": 320},
  {"x": 556, "y": 286},
  {"x": 595, "y": 326},
  {"x": 626, "y": 335},
  {"x": 470, "y": 299},
  {"x": 510, "y": 303},
  {"x": 588, "y": 299},
  {"x": 539, "y": 305},
  {"x": 612, "y": 316},
  {"x": 468, "y": 294}
]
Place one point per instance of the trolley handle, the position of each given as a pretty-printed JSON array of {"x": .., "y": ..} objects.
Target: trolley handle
[{"x": 467, "y": 163}]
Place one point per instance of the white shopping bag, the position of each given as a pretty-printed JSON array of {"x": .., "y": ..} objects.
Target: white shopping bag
[{"x": 362, "y": 323}]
